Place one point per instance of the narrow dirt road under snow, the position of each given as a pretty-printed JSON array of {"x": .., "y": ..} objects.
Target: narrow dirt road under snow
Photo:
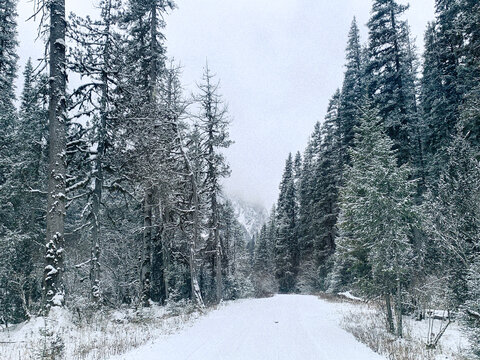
[{"x": 286, "y": 327}]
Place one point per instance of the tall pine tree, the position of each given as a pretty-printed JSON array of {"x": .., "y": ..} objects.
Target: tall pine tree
[
  {"x": 57, "y": 126},
  {"x": 328, "y": 171},
  {"x": 391, "y": 83},
  {"x": 213, "y": 124},
  {"x": 376, "y": 216},
  {"x": 286, "y": 246},
  {"x": 353, "y": 90}
]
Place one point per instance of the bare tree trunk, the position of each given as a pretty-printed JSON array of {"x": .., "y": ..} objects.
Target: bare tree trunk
[
  {"x": 388, "y": 305},
  {"x": 158, "y": 259},
  {"x": 146, "y": 270},
  {"x": 218, "y": 259},
  {"x": 99, "y": 178},
  {"x": 96, "y": 201},
  {"x": 215, "y": 229},
  {"x": 398, "y": 308},
  {"x": 196, "y": 294},
  {"x": 53, "y": 279},
  {"x": 165, "y": 260}
]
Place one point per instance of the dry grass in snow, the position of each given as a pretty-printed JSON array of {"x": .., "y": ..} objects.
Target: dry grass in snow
[
  {"x": 367, "y": 323},
  {"x": 63, "y": 335}
]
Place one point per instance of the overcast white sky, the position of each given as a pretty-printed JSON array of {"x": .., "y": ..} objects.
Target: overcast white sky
[{"x": 279, "y": 62}]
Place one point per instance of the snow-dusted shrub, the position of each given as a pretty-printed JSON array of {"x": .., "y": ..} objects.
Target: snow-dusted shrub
[
  {"x": 238, "y": 287},
  {"x": 182, "y": 306},
  {"x": 52, "y": 333},
  {"x": 264, "y": 285},
  {"x": 53, "y": 346},
  {"x": 84, "y": 311}
]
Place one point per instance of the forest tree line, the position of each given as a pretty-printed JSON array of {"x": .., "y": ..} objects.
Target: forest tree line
[
  {"x": 111, "y": 190},
  {"x": 111, "y": 187},
  {"x": 385, "y": 199}
]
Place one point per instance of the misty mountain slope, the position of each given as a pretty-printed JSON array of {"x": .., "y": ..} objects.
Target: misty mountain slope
[
  {"x": 286, "y": 327},
  {"x": 250, "y": 216}
]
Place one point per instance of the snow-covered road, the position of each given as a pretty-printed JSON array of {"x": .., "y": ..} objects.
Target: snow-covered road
[{"x": 286, "y": 327}]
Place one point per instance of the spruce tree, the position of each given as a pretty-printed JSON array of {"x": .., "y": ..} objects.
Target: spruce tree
[
  {"x": 264, "y": 280},
  {"x": 213, "y": 125},
  {"x": 186, "y": 174},
  {"x": 437, "y": 129},
  {"x": 376, "y": 216},
  {"x": 470, "y": 110},
  {"x": 286, "y": 246},
  {"x": 441, "y": 90},
  {"x": 236, "y": 259},
  {"x": 452, "y": 217},
  {"x": 353, "y": 90},
  {"x": 306, "y": 189},
  {"x": 450, "y": 42},
  {"x": 28, "y": 183},
  {"x": 140, "y": 75},
  {"x": 8, "y": 69},
  {"x": 327, "y": 177},
  {"x": 8, "y": 66},
  {"x": 272, "y": 233},
  {"x": 469, "y": 17},
  {"x": 391, "y": 82}
]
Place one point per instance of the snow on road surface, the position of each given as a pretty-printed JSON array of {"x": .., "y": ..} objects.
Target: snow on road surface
[{"x": 284, "y": 327}]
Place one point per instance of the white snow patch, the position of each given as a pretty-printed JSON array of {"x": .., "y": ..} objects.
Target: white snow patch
[
  {"x": 57, "y": 300},
  {"x": 348, "y": 295},
  {"x": 51, "y": 270},
  {"x": 60, "y": 42}
]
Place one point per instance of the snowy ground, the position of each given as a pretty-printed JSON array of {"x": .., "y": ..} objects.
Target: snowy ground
[
  {"x": 103, "y": 335},
  {"x": 453, "y": 342},
  {"x": 367, "y": 323},
  {"x": 282, "y": 327}
]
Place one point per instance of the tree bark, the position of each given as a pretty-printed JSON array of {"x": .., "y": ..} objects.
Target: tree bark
[
  {"x": 146, "y": 270},
  {"x": 196, "y": 295},
  {"x": 158, "y": 258},
  {"x": 53, "y": 280},
  {"x": 218, "y": 261},
  {"x": 195, "y": 287},
  {"x": 99, "y": 178},
  {"x": 388, "y": 305},
  {"x": 398, "y": 308}
]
